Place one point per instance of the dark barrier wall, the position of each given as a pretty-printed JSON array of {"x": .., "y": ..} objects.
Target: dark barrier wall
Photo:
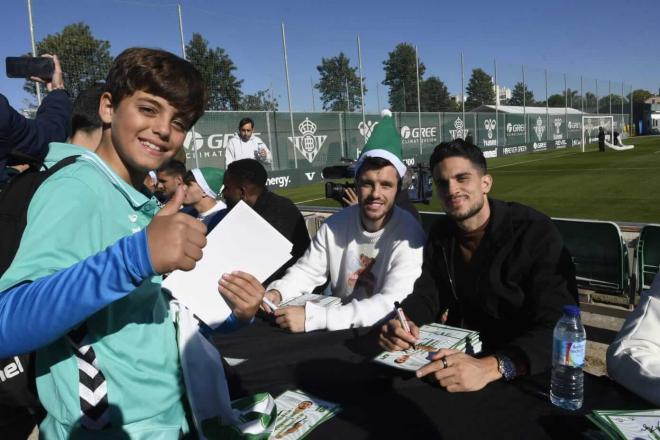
[{"x": 321, "y": 139}]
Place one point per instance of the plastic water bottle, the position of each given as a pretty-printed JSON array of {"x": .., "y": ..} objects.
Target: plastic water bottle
[{"x": 568, "y": 351}]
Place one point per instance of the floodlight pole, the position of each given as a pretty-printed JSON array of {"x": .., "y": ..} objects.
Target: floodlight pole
[
  {"x": 364, "y": 122},
  {"x": 34, "y": 47},
  {"x": 311, "y": 84},
  {"x": 419, "y": 104},
  {"x": 547, "y": 113},
  {"x": 597, "y": 106},
  {"x": 581, "y": 95},
  {"x": 462, "y": 87},
  {"x": 288, "y": 92},
  {"x": 497, "y": 104},
  {"x": 565, "y": 108},
  {"x": 524, "y": 101},
  {"x": 630, "y": 117},
  {"x": 193, "y": 142},
  {"x": 378, "y": 96},
  {"x": 609, "y": 93}
]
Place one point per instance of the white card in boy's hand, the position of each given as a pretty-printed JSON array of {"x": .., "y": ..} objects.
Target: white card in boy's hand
[{"x": 243, "y": 241}]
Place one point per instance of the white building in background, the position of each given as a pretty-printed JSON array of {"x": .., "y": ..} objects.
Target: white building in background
[{"x": 651, "y": 115}]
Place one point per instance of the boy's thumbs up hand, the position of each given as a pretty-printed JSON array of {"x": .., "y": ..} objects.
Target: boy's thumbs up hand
[{"x": 175, "y": 239}]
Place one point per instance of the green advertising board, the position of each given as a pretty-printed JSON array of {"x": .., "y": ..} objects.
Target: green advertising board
[{"x": 321, "y": 139}]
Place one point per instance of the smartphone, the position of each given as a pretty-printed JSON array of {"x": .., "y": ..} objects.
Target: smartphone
[{"x": 26, "y": 67}]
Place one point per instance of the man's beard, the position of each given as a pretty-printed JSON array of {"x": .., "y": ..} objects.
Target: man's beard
[{"x": 474, "y": 210}]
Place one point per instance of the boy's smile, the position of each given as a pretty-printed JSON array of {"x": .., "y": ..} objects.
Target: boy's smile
[{"x": 146, "y": 131}]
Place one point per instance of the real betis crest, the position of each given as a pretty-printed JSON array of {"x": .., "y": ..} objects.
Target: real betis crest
[
  {"x": 539, "y": 128},
  {"x": 459, "y": 129},
  {"x": 557, "y": 123},
  {"x": 308, "y": 144}
]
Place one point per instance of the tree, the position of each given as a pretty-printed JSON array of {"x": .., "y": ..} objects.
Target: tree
[
  {"x": 589, "y": 102},
  {"x": 556, "y": 100},
  {"x": 604, "y": 106},
  {"x": 260, "y": 100},
  {"x": 337, "y": 79},
  {"x": 217, "y": 70},
  {"x": 479, "y": 90},
  {"x": 84, "y": 59},
  {"x": 434, "y": 95},
  {"x": 401, "y": 77},
  {"x": 639, "y": 96},
  {"x": 519, "y": 92}
]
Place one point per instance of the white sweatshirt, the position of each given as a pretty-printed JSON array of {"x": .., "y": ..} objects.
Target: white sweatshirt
[
  {"x": 368, "y": 270},
  {"x": 237, "y": 149},
  {"x": 633, "y": 359}
]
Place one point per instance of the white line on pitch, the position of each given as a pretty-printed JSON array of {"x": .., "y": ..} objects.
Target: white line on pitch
[
  {"x": 310, "y": 200},
  {"x": 533, "y": 160}
]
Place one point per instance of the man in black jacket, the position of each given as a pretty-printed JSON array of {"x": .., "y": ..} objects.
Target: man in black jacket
[
  {"x": 245, "y": 179},
  {"x": 492, "y": 266}
]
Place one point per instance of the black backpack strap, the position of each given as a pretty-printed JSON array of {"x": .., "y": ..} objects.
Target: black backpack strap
[{"x": 61, "y": 164}]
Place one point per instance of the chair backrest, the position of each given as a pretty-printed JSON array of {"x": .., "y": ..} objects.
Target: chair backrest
[
  {"x": 648, "y": 255},
  {"x": 599, "y": 254},
  {"x": 428, "y": 218}
]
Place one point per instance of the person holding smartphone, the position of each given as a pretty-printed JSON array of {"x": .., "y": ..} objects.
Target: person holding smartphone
[{"x": 24, "y": 139}]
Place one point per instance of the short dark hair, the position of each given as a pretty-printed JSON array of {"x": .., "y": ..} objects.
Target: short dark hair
[
  {"x": 85, "y": 113},
  {"x": 244, "y": 121},
  {"x": 458, "y": 148},
  {"x": 160, "y": 73},
  {"x": 189, "y": 177},
  {"x": 247, "y": 171},
  {"x": 375, "y": 163},
  {"x": 174, "y": 168}
]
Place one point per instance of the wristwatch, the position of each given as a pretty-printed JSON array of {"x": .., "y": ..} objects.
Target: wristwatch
[{"x": 506, "y": 367}]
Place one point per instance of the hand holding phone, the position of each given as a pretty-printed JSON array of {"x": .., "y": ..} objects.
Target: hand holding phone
[
  {"x": 45, "y": 69},
  {"x": 27, "y": 67}
]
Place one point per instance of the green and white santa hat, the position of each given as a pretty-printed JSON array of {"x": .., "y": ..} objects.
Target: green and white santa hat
[
  {"x": 384, "y": 142},
  {"x": 209, "y": 179}
]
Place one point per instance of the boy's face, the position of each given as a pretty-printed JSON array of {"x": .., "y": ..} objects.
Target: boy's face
[
  {"x": 194, "y": 194},
  {"x": 146, "y": 130}
]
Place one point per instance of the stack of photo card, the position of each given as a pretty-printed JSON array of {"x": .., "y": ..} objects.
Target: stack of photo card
[
  {"x": 319, "y": 300},
  {"x": 432, "y": 337},
  {"x": 299, "y": 413},
  {"x": 644, "y": 424}
]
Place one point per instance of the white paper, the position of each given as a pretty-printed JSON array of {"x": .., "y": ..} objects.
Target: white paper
[
  {"x": 432, "y": 337},
  {"x": 319, "y": 300},
  {"x": 244, "y": 241},
  {"x": 298, "y": 413}
]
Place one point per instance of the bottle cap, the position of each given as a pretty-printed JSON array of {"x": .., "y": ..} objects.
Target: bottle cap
[{"x": 572, "y": 310}]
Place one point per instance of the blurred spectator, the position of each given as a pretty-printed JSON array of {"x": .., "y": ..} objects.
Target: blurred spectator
[
  {"x": 202, "y": 187},
  {"x": 245, "y": 145},
  {"x": 170, "y": 177},
  {"x": 150, "y": 182},
  {"x": 24, "y": 140},
  {"x": 633, "y": 359},
  {"x": 245, "y": 180},
  {"x": 86, "y": 125}
]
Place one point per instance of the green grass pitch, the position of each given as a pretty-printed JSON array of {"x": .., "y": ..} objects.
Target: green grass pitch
[{"x": 614, "y": 185}]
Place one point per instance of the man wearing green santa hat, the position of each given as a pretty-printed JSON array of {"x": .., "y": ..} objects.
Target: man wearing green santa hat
[
  {"x": 202, "y": 188},
  {"x": 371, "y": 252}
]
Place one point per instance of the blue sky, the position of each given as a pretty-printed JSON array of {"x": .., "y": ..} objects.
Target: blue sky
[{"x": 604, "y": 40}]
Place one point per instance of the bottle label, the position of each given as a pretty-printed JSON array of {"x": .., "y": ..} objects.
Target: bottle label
[{"x": 570, "y": 354}]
